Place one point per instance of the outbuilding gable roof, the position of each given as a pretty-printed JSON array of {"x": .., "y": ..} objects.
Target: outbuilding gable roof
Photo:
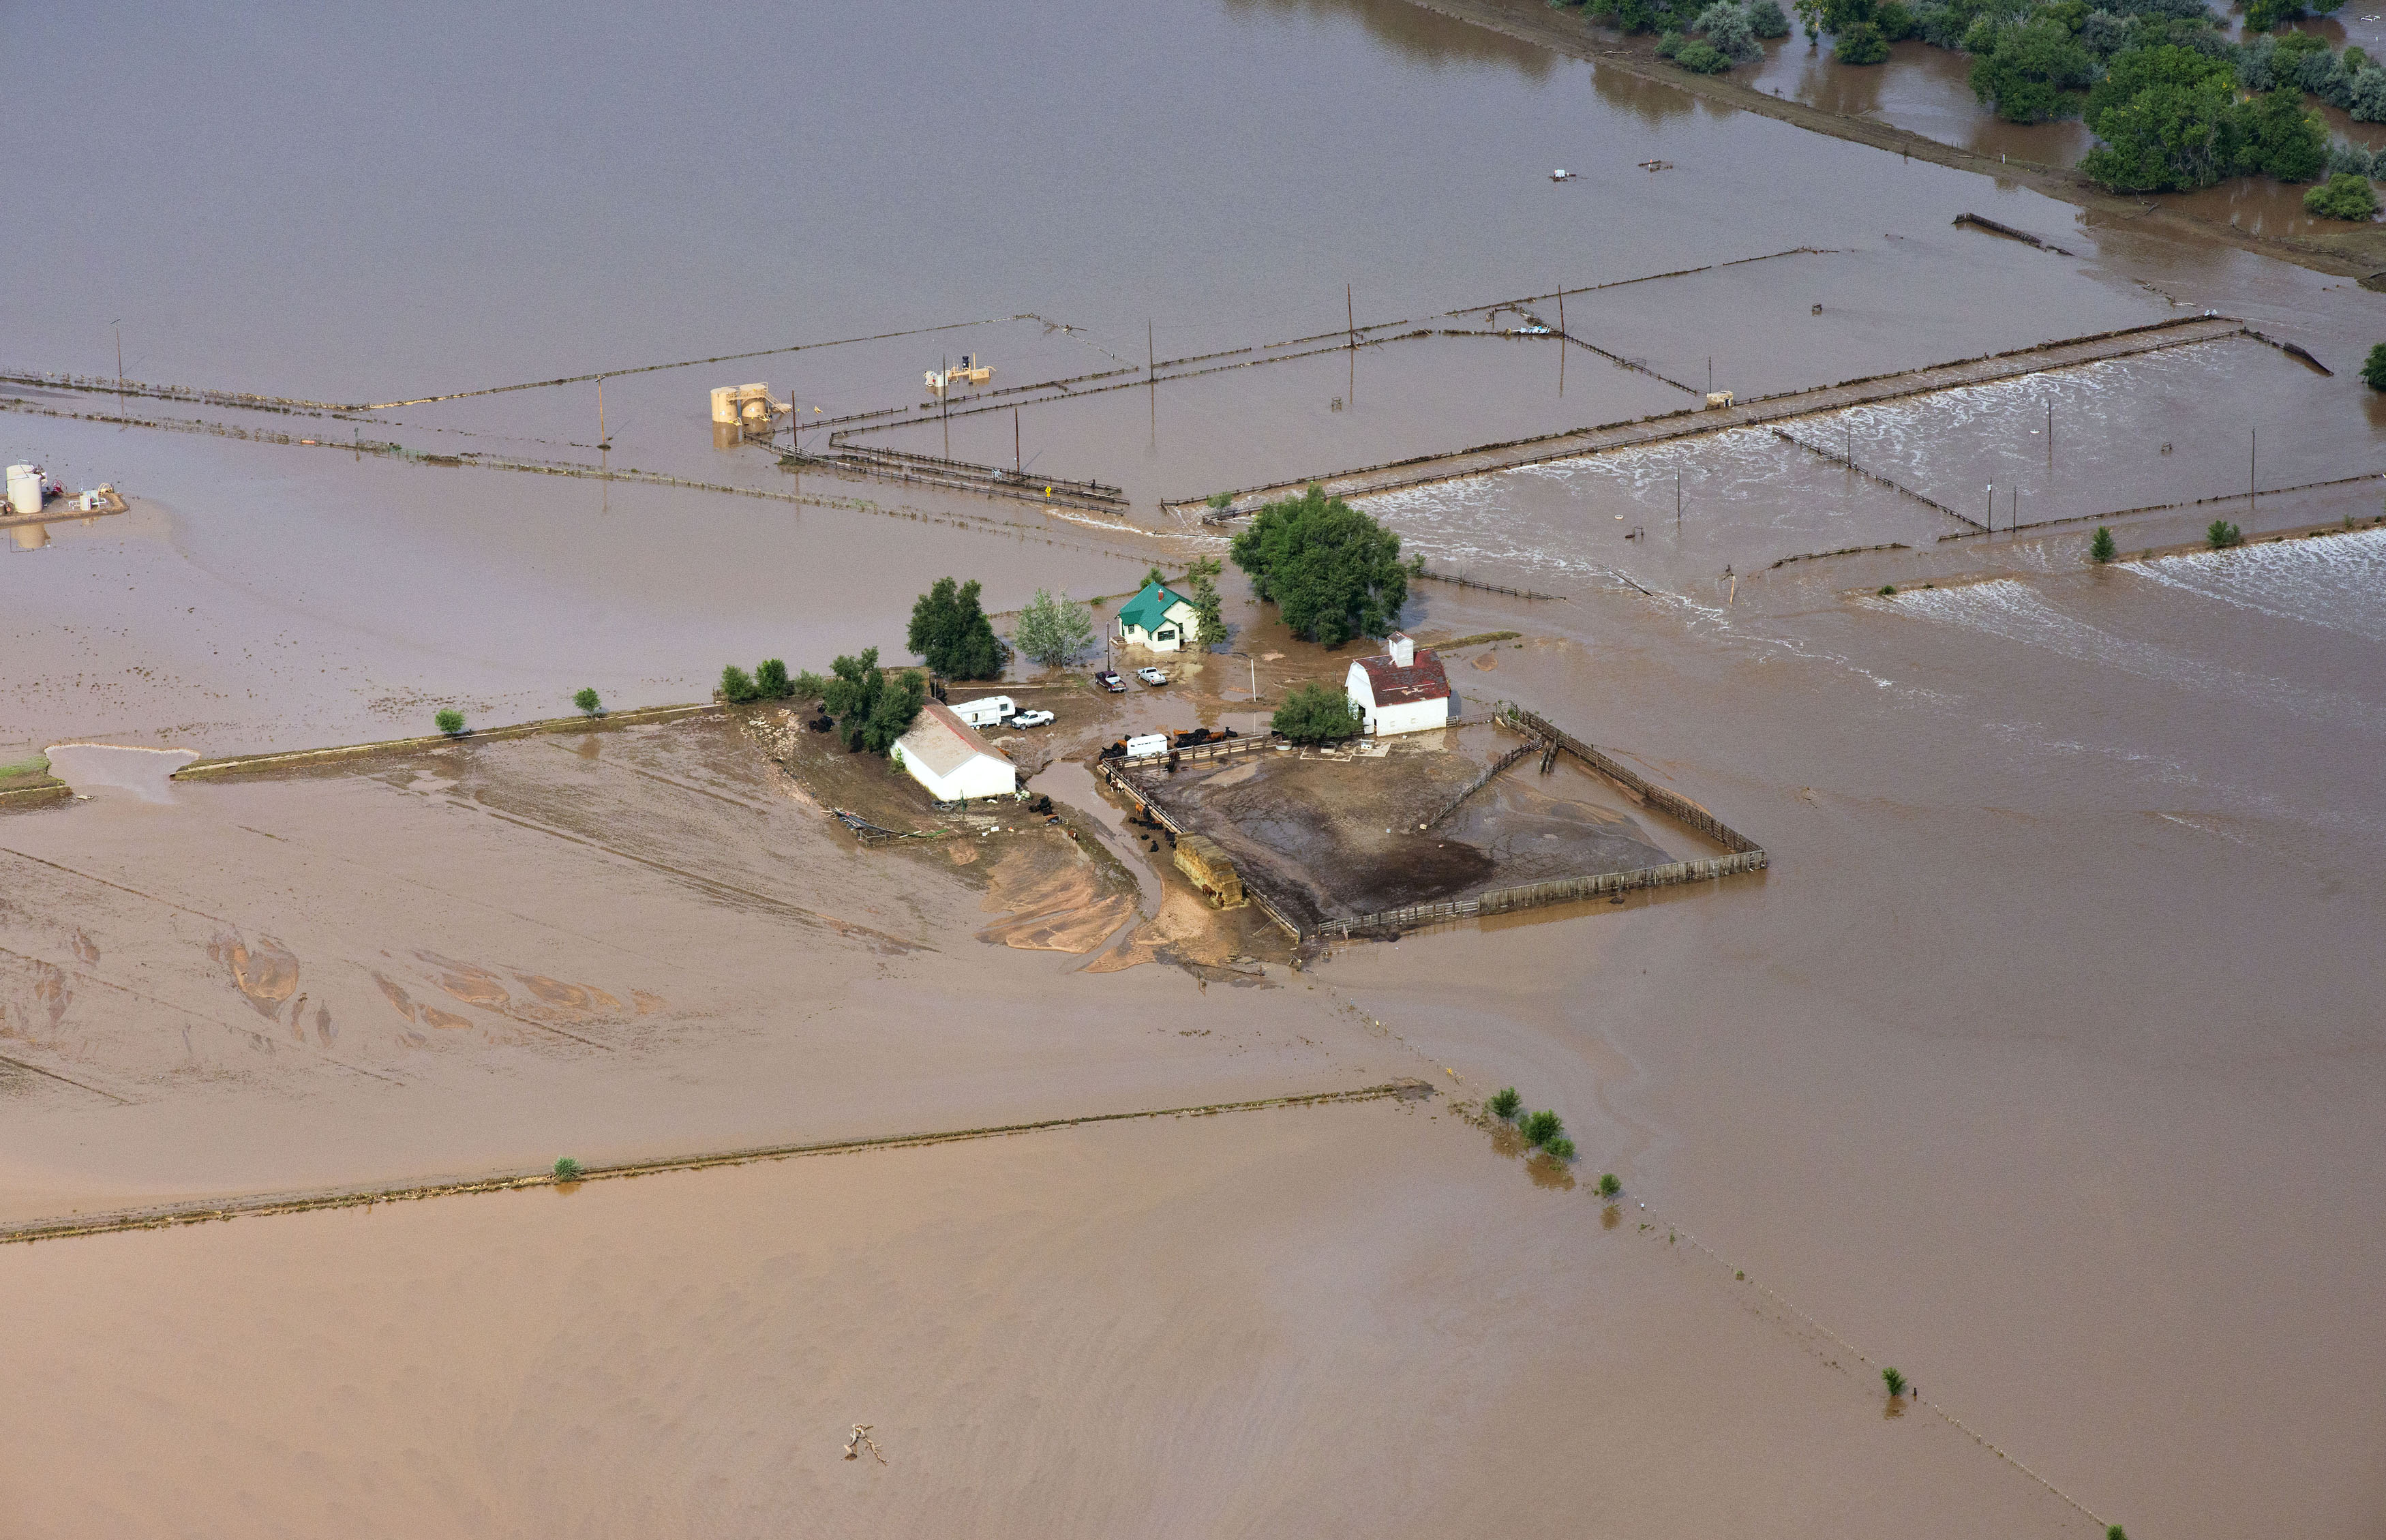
[
  {"x": 942, "y": 741},
  {"x": 1149, "y": 608},
  {"x": 1422, "y": 680}
]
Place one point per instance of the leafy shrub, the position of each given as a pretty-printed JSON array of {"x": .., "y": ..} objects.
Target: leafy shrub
[
  {"x": 1701, "y": 57},
  {"x": 450, "y": 721},
  {"x": 1540, "y": 1128},
  {"x": 1609, "y": 1186},
  {"x": 1314, "y": 713},
  {"x": 2104, "y": 548},
  {"x": 2343, "y": 196},
  {"x": 1669, "y": 46},
  {"x": 2222, "y": 534},
  {"x": 2373, "y": 369},
  {"x": 737, "y": 686},
  {"x": 810, "y": 686},
  {"x": 1766, "y": 19},
  {"x": 1559, "y": 1148},
  {"x": 567, "y": 1170},
  {"x": 1894, "y": 1381},
  {"x": 588, "y": 703},
  {"x": 770, "y": 680},
  {"x": 1505, "y": 1103}
]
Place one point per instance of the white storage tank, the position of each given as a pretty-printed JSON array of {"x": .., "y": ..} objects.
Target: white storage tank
[{"x": 25, "y": 489}]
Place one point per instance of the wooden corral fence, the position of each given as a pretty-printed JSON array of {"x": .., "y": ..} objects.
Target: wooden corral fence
[{"x": 1481, "y": 781}]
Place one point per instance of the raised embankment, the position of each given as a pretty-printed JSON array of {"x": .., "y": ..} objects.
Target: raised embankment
[
  {"x": 1424, "y": 470},
  {"x": 250, "y": 764}
]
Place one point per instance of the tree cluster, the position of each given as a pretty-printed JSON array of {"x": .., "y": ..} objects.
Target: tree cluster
[
  {"x": 2170, "y": 118},
  {"x": 2345, "y": 195},
  {"x": 950, "y": 629},
  {"x": 871, "y": 707},
  {"x": 1332, "y": 572},
  {"x": 768, "y": 681}
]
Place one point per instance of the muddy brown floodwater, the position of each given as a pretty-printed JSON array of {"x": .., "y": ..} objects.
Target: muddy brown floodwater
[{"x": 2044, "y": 1063}]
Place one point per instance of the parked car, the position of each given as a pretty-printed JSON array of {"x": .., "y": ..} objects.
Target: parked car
[
  {"x": 1110, "y": 681},
  {"x": 1030, "y": 719},
  {"x": 1151, "y": 676}
]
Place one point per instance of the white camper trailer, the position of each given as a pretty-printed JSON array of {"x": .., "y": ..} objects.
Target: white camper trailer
[{"x": 986, "y": 711}]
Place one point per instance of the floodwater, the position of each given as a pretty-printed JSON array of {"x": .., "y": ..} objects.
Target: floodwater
[{"x": 2042, "y": 1062}]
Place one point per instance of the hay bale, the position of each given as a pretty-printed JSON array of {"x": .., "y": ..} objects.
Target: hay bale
[{"x": 1202, "y": 859}]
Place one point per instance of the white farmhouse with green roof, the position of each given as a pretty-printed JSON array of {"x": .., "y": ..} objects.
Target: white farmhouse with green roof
[{"x": 1158, "y": 618}]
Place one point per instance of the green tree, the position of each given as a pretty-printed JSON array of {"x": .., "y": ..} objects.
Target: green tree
[
  {"x": 950, "y": 629},
  {"x": 770, "y": 680},
  {"x": 450, "y": 721},
  {"x": 1053, "y": 630},
  {"x": 1209, "y": 609},
  {"x": 2221, "y": 534},
  {"x": 1609, "y": 1186},
  {"x": 588, "y": 703},
  {"x": 1313, "y": 713},
  {"x": 1505, "y": 1103},
  {"x": 2035, "y": 74},
  {"x": 736, "y": 687},
  {"x": 1859, "y": 43},
  {"x": 2169, "y": 119},
  {"x": 1894, "y": 1381},
  {"x": 2373, "y": 369},
  {"x": 2281, "y": 139},
  {"x": 810, "y": 686},
  {"x": 2104, "y": 548},
  {"x": 2346, "y": 196},
  {"x": 1559, "y": 1147},
  {"x": 872, "y": 711},
  {"x": 1540, "y": 1128},
  {"x": 1332, "y": 572}
]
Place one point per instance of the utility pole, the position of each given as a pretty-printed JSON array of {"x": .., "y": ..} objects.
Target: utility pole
[
  {"x": 2253, "y": 455},
  {"x": 1562, "y": 331},
  {"x": 1150, "y": 355},
  {"x": 1710, "y": 374},
  {"x": 1993, "y": 508},
  {"x": 118, "y": 326},
  {"x": 1018, "y": 465},
  {"x": 1677, "y": 502},
  {"x": 2050, "y": 435},
  {"x": 601, "y": 439},
  {"x": 1351, "y": 315}
]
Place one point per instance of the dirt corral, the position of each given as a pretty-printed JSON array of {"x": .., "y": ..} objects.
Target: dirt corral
[{"x": 1330, "y": 835}]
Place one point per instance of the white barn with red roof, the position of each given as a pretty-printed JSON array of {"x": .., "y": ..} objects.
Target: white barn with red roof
[
  {"x": 1404, "y": 690},
  {"x": 946, "y": 755}
]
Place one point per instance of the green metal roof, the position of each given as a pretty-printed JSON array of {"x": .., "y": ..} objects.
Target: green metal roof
[{"x": 1149, "y": 608}]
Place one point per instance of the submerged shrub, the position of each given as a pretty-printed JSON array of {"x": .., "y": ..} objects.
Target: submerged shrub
[
  {"x": 2104, "y": 548},
  {"x": 2373, "y": 369},
  {"x": 450, "y": 721},
  {"x": 2343, "y": 196},
  {"x": 2222, "y": 534},
  {"x": 1767, "y": 19},
  {"x": 1540, "y": 1128},
  {"x": 1894, "y": 1381},
  {"x": 567, "y": 1170},
  {"x": 1701, "y": 57},
  {"x": 1505, "y": 1103},
  {"x": 1559, "y": 1148},
  {"x": 588, "y": 703},
  {"x": 735, "y": 685}
]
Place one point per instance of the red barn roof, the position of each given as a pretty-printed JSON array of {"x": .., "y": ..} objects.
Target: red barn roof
[{"x": 1396, "y": 686}]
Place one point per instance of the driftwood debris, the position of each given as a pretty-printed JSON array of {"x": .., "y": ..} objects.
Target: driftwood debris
[{"x": 860, "y": 1441}]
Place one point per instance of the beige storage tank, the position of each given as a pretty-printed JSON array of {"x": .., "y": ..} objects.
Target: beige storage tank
[{"x": 25, "y": 489}]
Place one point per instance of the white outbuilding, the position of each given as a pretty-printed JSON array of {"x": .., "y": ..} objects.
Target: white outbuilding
[
  {"x": 1404, "y": 690},
  {"x": 946, "y": 755},
  {"x": 1158, "y": 617}
]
